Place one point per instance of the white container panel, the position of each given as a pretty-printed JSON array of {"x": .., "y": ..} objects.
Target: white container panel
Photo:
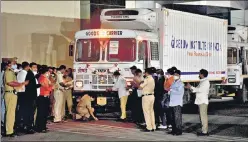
[{"x": 193, "y": 42}]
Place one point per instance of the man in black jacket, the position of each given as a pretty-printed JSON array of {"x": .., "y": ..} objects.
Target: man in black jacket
[{"x": 30, "y": 97}]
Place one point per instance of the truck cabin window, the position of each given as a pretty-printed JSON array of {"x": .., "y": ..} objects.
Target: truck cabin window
[
  {"x": 232, "y": 56},
  {"x": 121, "y": 50},
  {"x": 87, "y": 50}
]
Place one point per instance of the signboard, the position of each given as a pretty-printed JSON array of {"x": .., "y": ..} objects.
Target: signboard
[{"x": 113, "y": 47}]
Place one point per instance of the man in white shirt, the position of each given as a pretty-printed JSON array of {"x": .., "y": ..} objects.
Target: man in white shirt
[
  {"x": 121, "y": 86},
  {"x": 21, "y": 76},
  {"x": 202, "y": 92}
]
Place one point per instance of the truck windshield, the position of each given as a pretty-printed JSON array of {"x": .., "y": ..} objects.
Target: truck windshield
[
  {"x": 87, "y": 50},
  {"x": 232, "y": 56},
  {"x": 121, "y": 50}
]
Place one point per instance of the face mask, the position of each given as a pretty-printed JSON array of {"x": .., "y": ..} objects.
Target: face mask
[
  {"x": 34, "y": 72},
  {"x": 47, "y": 75},
  {"x": 176, "y": 77},
  {"x": 14, "y": 67},
  {"x": 159, "y": 76}
]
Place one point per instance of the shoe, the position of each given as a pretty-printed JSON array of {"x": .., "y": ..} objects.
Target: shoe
[
  {"x": 162, "y": 127},
  {"x": 178, "y": 133},
  {"x": 146, "y": 130},
  {"x": 11, "y": 135},
  {"x": 202, "y": 134},
  {"x": 44, "y": 131},
  {"x": 30, "y": 131},
  {"x": 171, "y": 133}
]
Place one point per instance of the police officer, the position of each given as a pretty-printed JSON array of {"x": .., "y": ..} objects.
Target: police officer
[
  {"x": 148, "y": 98},
  {"x": 68, "y": 94},
  {"x": 10, "y": 97}
]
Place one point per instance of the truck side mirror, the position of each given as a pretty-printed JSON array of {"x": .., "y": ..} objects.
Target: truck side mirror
[{"x": 71, "y": 50}]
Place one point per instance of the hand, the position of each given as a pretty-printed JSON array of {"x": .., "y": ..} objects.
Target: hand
[
  {"x": 96, "y": 119},
  {"x": 26, "y": 83},
  {"x": 188, "y": 86}
]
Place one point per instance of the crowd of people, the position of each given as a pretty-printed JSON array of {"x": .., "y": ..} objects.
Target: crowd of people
[
  {"x": 156, "y": 99},
  {"x": 32, "y": 93}
]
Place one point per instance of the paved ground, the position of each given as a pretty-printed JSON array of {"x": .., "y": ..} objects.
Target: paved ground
[{"x": 228, "y": 121}]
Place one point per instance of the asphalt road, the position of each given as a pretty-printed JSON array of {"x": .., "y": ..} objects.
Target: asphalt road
[{"x": 228, "y": 121}]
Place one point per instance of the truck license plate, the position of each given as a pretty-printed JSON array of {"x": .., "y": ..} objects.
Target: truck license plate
[{"x": 101, "y": 101}]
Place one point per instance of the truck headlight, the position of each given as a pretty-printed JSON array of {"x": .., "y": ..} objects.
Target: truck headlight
[{"x": 79, "y": 84}]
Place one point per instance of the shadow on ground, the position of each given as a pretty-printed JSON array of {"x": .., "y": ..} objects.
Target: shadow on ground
[{"x": 223, "y": 129}]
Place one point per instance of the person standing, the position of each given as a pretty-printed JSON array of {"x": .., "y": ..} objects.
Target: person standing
[
  {"x": 121, "y": 86},
  {"x": 21, "y": 76},
  {"x": 59, "y": 95},
  {"x": 137, "y": 111},
  {"x": 176, "y": 102},
  {"x": 43, "y": 101},
  {"x": 2, "y": 92},
  {"x": 202, "y": 92},
  {"x": 148, "y": 98},
  {"x": 30, "y": 99},
  {"x": 166, "y": 99},
  {"x": 10, "y": 97},
  {"x": 68, "y": 93}
]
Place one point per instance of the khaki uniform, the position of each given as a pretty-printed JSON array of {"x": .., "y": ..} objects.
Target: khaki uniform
[
  {"x": 67, "y": 98},
  {"x": 148, "y": 102},
  {"x": 59, "y": 97},
  {"x": 83, "y": 107},
  {"x": 10, "y": 100}
]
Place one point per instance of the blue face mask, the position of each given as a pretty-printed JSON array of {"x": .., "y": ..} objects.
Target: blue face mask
[{"x": 14, "y": 67}]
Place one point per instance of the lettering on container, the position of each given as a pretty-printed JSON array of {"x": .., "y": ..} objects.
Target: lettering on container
[{"x": 198, "y": 46}]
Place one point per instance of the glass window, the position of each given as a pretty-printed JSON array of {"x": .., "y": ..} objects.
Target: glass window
[
  {"x": 121, "y": 50},
  {"x": 232, "y": 56},
  {"x": 141, "y": 48},
  {"x": 87, "y": 50},
  {"x": 154, "y": 51}
]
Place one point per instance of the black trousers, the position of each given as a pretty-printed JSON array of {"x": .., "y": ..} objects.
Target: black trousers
[
  {"x": 176, "y": 112},
  {"x": 136, "y": 107},
  {"x": 28, "y": 110},
  {"x": 166, "y": 116},
  {"x": 20, "y": 110},
  {"x": 43, "y": 104},
  {"x": 157, "y": 109}
]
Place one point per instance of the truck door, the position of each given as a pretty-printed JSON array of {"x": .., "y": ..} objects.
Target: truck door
[{"x": 143, "y": 53}]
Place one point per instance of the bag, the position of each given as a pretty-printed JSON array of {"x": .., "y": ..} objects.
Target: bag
[{"x": 165, "y": 101}]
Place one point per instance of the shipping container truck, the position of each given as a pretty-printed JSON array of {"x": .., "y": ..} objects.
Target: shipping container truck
[{"x": 159, "y": 38}]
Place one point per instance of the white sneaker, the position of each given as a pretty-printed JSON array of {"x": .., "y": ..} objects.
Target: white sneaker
[
  {"x": 162, "y": 127},
  {"x": 169, "y": 126}
]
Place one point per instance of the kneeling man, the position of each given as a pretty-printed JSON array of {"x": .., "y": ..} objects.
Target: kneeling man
[{"x": 84, "y": 109}]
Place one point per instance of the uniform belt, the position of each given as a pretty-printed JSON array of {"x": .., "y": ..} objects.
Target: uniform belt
[
  {"x": 9, "y": 91},
  {"x": 146, "y": 95}
]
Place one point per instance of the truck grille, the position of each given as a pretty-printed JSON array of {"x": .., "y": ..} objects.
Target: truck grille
[{"x": 102, "y": 79}]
